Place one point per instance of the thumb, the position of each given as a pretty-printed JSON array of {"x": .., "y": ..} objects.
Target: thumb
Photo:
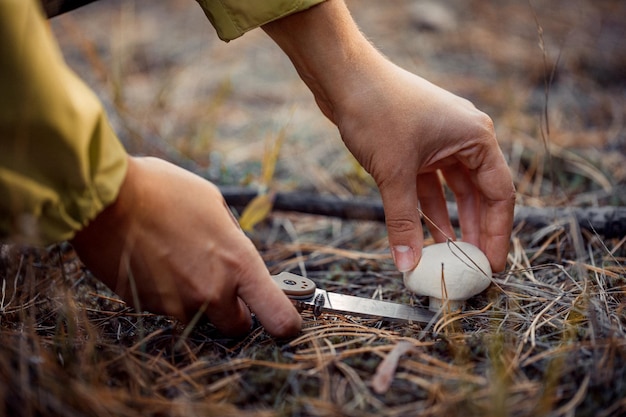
[
  {"x": 272, "y": 307},
  {"x": 403, "y": 222},
  {"x": 274, "y": 310}
]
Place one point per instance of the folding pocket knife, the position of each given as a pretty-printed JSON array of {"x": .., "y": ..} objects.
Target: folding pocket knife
[{"x": 306, "y": 296}]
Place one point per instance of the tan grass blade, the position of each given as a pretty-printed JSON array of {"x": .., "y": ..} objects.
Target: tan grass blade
[
  {"x": 261, "y": 206},
  {"x": 257, "y": 211}
]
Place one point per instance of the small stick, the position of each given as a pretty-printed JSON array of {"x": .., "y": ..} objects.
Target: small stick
[
  {"x": 57, "y": 7},
  {"x": 608, "y": 221}
]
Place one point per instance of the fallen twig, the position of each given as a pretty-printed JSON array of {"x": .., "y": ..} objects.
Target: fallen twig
[
  {"x": 608, "y": 221},
  {"x": 57, "y": 7}
]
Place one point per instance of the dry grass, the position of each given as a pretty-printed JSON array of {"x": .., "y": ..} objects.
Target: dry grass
[{"x": 547, "y": 339}]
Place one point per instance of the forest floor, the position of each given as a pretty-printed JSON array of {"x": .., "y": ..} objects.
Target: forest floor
[{"x": 547, "y": 339}]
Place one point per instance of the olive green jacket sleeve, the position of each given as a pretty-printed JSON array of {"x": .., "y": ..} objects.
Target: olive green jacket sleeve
[
  {"x": 60, "y": 162},
  {"x": 233, "y": 18}
]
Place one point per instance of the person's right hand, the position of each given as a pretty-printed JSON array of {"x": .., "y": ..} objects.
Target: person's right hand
[{"x": 170, "y": 243}]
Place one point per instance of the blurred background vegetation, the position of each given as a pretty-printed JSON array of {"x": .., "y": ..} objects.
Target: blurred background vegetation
[{"x": 550, "y": 73}]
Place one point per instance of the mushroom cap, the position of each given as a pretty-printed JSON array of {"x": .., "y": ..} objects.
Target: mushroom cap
[{"x": 464, "y": 268}]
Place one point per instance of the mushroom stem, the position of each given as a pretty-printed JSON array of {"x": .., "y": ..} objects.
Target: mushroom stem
[{"x": 435, "y": 304}]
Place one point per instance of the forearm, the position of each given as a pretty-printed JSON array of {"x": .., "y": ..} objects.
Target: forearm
[{"x": 329, "y": 52}]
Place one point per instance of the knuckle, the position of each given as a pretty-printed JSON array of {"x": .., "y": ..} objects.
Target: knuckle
[
  {"x": 513, "y": 195},
  {"x": 241, "y": 261},
  {"x": 400, "y": 225},
  {"x": 485, "y": 123},
  {"x": 211, "y": 295}
]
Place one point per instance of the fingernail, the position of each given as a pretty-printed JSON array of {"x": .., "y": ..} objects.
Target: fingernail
[{"x": 404, "y": 257}]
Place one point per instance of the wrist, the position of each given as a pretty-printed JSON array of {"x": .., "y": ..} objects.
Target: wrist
[{"x": 114, "y": 222}]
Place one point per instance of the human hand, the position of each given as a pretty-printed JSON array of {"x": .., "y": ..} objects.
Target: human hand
[
  {"x": 404, "y": 130},
  {"x": 170, "y": 240}
]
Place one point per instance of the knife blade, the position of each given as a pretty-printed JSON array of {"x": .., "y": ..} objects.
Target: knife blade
[{"x": 307, "y": 296}]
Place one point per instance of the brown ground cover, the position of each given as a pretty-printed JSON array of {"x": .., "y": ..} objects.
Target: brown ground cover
[{"x": 547, "y": 339}]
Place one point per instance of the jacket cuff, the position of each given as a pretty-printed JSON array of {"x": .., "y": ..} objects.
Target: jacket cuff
[{"x": 232, "y": 18}]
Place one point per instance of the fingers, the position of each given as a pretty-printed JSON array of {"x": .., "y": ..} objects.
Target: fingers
[
  {"x": 229, "y": 314},
  {"x": 468, "y": 201},
  {"x": 485, "y": 194},
  {"x": 497, "y": 224},
  {"x": 433, "y": 206},
  {"x": 272, "y": 307},
  {"x": 246, "y": 286},
  {"x": 485, "y": 199},
  {"x": 495, "y": 184},
  {"x": 485, "y": 212},
  {"x": 403, "y": 223},
  {"x": 241, "y": 283}
]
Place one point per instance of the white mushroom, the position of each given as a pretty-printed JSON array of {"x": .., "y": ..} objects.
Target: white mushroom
[{"x": 449, "y": 273}]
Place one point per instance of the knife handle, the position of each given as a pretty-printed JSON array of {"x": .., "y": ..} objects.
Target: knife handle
[{"x": 295, "y": 286}]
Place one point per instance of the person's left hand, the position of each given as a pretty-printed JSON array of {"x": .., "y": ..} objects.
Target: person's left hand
[{"x": 404, "y": 130}]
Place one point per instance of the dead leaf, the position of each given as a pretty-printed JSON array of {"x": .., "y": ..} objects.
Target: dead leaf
[
  {"x": 256, "y": 211},
  {"x": 387, "y": 368}
]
